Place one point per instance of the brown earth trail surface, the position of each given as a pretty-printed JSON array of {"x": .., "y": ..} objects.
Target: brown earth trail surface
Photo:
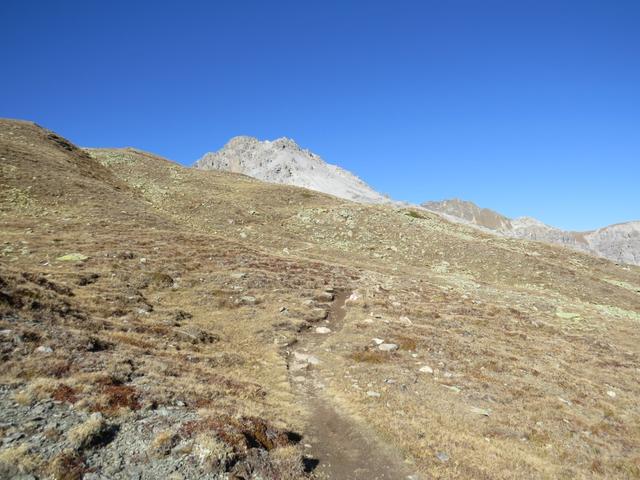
[
  {"x": 158, "y": 321},
  {"x": 342, "y": 446}
]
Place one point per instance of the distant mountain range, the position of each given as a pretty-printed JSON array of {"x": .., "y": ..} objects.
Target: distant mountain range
[
  {"x": 620, "y": 242},
  {"x": 282, "y": 161}
]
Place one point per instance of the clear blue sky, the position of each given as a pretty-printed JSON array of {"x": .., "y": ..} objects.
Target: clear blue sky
[{"x": 527, "y": 107}]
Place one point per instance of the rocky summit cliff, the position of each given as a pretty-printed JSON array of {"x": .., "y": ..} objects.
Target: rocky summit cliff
[
  {"x": 619, "y": 242},
  {"x": 283, "y": 161}
]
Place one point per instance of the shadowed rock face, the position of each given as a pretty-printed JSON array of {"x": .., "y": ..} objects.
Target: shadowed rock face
[
  {"x": 620, "y": 242},
  {"x": 283, "y": 161}
]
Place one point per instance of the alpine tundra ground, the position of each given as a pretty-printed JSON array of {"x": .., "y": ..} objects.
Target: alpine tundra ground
[{"x": 163, "y": 322}]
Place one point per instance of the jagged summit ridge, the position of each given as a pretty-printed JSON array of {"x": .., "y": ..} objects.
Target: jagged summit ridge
[{"x": 283, "y": 161}]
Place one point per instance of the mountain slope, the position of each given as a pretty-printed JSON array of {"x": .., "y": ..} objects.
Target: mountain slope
[
  {"x": 620, "y": 242},
  {"x": 283, "y": 161},
  {"x": 471, "y": 213},
  {"x": 199, "y": 323}
]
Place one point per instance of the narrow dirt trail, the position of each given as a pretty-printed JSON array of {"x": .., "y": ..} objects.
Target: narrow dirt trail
[{"x": 342, "y": 448}]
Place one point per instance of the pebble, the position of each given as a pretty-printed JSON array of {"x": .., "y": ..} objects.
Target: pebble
[
  {"x": 373, "y": 394},
  {"x": 325, "y": 297},
  {"x": 611, "y": 393},
  {"x": 426, "y": 369},
  {"x": 72, "y": 257},
  {"x": 442, "y": 456},
  {"x": 480, "y": 411},
  {"x": 387, "y": 347},
  {"x": 44, "y": 349},
  {"x": 323, "y": 330},
  {"x": 378, "y": 341},
  {"x": 354, "y": 297},
  {"x": 248, "y": 300},
  {"x": 305, "y": 357}
]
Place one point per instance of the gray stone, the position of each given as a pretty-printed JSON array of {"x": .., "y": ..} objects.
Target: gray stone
[
  {"x": 388, "y": 347},
  {"x": 248, "y": 300},
  {"x": 442, "y": 456}
]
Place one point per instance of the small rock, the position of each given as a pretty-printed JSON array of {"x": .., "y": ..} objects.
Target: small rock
[
  {"x": 44, "y": 349},
  {"x": 305, "y": 357},
  {"x": 248, "y": 300},
  {"x": 12, "y": 437},
  {"x": 378, "y": 341},
  {"x": 323, "y": 330},
  {"x": 325, "y": 297},
  {"x": 195, "y": 335},
  {"x": 567, "y": 315},
  {"x": 72, "y": 257},
  {"x": 480, "y": 411},
  {"x": 238, "y": 275},
  {"x": 611, "y": 393},
  {"x": 317, "y": 314},
  {"x": 388, "y": 347},
  {"x": 426, "y": 369},
  {"x": 373, "y": 394},
  {"x": 442, "y": 456},
  {"x": 298, "y": 366},
  {"x": 406, "y": 321},
  {"x": 354, "y": 297}
]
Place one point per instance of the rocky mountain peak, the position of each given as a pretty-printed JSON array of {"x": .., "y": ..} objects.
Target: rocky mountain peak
[{"x": 283, "y": 161}]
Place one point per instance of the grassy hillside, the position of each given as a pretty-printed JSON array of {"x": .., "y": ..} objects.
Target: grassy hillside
[{"x": 171, "y": 317}]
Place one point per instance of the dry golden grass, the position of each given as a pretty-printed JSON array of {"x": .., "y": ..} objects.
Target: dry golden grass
[
  {"x": 88, "y": 433},
  {"x": 213, "y": 452},
  {"x": 67, "y": 465},
  {"x": 288, "y": 462},
  {"x": 162, "y": 443},
  {"x": 18, "y": 459}
]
